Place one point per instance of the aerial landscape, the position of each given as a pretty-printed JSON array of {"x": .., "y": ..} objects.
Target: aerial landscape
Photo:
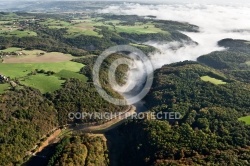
[{"x": 124, "y": 83}]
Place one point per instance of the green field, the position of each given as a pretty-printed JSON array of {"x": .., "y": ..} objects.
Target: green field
[
  {"x": 20, "y": 70},
  {"x": 139, "y": 28},
  {"x": 90, "y": 27},
  {"x": 248, "y": 63},
  {"x": 3, "y": 87},
  {"x": 75, "y": 28},
  {"x": 41, "y": 81},
  {"x": 245, "y": 119},
  {"x": 212, "y": 80},
  {"x": 9, "y": 26},
  {"x": 11, "y": 49},
  {"x": 17, "y": 33},
  {"x": 138, "y": 45},
  {"x": 69, "y": 74}
]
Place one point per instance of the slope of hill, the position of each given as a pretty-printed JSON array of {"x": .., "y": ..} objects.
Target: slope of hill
[{"x": 208, "y": 133}]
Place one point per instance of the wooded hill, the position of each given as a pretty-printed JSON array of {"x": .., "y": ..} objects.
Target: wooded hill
[{"x": 208, "y": 133}]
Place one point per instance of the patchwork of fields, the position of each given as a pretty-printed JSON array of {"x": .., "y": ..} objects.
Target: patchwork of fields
[
  {"x": 90, "y": 27},
  {"x": 31, "y": 67},
  {"x": 18, "y": 26},
  {"x": 45, "y": 72},
  {"x": 12, "y": 28}
]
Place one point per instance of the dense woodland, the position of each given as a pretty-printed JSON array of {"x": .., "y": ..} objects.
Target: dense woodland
[
  {"x": 80, "y": 150},
  {"x": 26, "y": 116},
  {"x": 208, "y": 133}
]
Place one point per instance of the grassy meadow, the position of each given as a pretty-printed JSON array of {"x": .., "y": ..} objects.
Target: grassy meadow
[
  {"x": 43, "y": 82},
  {"x": 26, "y": 69},
  {"x": 245, "y": 119},
  {"x": 139, "y": 28},
  {"x": 3, "y": 87},
  {"x": 212, "y": 80},
  {"x": 11, "y": 49}
]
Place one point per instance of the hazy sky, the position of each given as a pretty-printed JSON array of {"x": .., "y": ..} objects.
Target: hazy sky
[
  {"x": 164, "y": 1},
  {"x": 227, "y": 2}
]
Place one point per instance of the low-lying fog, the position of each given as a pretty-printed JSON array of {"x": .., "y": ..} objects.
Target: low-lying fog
[{"x": 216, "y": 22}]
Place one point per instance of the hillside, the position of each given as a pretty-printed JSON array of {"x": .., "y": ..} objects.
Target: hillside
[
  {"x": 234, "y": 61},
  {"x": 208, "y": 133}
]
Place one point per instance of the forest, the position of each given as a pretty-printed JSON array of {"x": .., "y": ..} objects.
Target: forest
[{"x": 209, "y": 132}]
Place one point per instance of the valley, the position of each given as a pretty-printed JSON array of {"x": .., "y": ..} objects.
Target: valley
[{"x": 48, "y": 55}]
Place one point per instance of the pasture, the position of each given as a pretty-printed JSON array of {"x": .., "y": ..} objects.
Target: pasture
[
  {"x": 245, "y": 119},
  {"x": 139, "y": 28},
  {"x": 27, "y": 74},
  {"x": 11, "y": 28},
  {"x": 74, "y": 28},
  {"x": 89, "y": 27},
  {"x": 213, "y": 80},
  {"x": 69, "y": 74},
  {"x": 17, "y": 70},
  {"x": 31, "y": 68},
  {"x": 11, "y": 49},
  {"x": 16, "y": 33},
  {"x": 3, "y": 87},
  {"x": 43, "y": 82}
]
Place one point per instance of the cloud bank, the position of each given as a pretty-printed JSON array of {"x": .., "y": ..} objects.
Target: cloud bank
[{"x": 216, "y": 22}]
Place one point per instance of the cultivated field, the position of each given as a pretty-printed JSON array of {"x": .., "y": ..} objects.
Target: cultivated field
[
  {"x": 139, "y": 28},
  {"x": 32, "y": 67},
  {"x": 75, "y": 28},
  {"x": 90, "y": 27},
  {"x": 35, "y": 56},
  {"x": 10, "y": 27},
  {"x": 212, "y": 80}
]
